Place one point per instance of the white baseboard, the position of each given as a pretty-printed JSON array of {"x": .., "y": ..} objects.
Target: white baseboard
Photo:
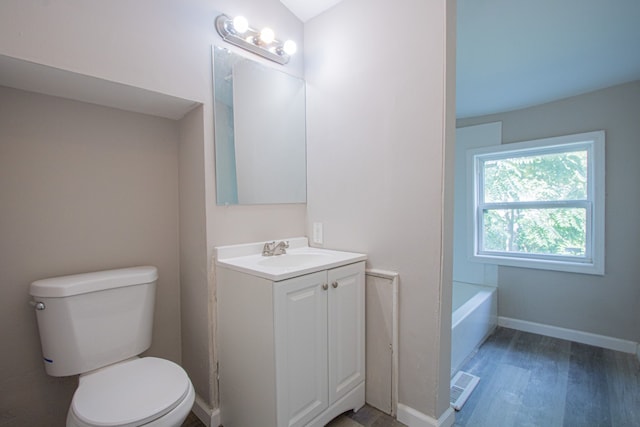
[
  {"x": 413, "y": 418},
  {"x": 209, "y": 417},
  {"x": 596, "y": 340}
]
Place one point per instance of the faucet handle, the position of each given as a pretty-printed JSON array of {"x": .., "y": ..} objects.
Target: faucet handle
[
  {"x": 268, "y": 248},
  {"x": 281, "y": 248},
  {"x": 284, "y": 244}
]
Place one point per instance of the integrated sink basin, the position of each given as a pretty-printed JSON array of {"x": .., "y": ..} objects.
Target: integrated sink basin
[
  {"x": 300, "y": 259},
  {"x": 295, "y": 259}
]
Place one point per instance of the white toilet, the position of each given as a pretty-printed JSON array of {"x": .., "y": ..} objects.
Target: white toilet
[{"x": 95, "y": 325}]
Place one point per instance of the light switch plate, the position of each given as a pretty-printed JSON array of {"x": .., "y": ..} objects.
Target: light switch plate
[{"x": 317, "y": 233}]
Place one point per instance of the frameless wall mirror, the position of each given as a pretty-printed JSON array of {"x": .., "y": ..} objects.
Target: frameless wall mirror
[{"x": 259, "y": 132}]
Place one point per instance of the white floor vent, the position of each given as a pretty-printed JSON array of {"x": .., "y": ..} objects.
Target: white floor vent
[{"x": 462, "y": 385}]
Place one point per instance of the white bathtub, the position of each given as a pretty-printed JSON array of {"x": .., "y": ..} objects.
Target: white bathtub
[{"x": 474, "y": 317}]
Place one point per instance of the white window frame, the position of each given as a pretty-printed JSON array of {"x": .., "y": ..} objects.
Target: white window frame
[{"x": 593, "y": 261}]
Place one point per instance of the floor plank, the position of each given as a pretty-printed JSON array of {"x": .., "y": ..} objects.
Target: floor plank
[
  {"x": 587, "y": 390},
  {"x": 547, "y": 360},
  {"x": 528, "y": 380},
  {"x": 623, "y": 379},
  {"x": 502, "y": 398}
]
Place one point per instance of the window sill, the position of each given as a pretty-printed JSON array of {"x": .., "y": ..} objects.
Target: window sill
[{"x": 542, "y": 264}]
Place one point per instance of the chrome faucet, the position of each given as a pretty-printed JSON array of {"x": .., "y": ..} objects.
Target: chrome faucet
[
  {"x": 281, "y": 248},
  {"x": 271, "y": 248}
]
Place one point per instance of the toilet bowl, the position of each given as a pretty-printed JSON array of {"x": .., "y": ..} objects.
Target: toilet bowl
[
  {"x": 138, "y": 392},
  {"x": 96, "y": 325}
]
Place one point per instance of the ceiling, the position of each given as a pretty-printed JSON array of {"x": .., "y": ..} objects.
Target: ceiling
[
  {"x": 513, "y": 54},
  {"x": 307, "y": 9}
]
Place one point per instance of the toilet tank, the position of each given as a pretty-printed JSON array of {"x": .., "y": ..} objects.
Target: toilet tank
[{"x": 92, "y": 320}]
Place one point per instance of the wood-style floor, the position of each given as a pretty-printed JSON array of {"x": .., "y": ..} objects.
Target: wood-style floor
[
  {"x": 365, "y": 417},
  {"x": 192, "y": 421},
  {"x": 536, "y": 381},
  {"x": 529, "y": 380}
]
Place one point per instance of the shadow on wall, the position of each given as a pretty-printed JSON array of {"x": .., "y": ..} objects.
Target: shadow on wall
[{"x": 83, "y": 188}]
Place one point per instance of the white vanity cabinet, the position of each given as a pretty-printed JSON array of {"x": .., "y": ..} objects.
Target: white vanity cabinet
[{"x": 291, "y": 352}]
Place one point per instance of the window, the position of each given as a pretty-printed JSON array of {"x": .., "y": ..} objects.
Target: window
[{"x": 540, "y": 204}]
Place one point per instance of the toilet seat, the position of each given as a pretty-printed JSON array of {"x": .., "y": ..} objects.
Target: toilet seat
[{"x": 131, "y": 393}]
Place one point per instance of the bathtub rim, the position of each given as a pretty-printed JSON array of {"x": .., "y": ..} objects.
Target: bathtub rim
[{"x": 466, "y": 308}]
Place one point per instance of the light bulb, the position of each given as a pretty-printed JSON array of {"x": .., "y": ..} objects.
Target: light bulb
[
  {"x": 267, "y": 36},
  {"x": 240, "y": 24},
  {"x": 290, "y": 47}
]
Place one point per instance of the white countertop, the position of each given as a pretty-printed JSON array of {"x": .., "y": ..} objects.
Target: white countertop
[{"x": 300, "y": 259}]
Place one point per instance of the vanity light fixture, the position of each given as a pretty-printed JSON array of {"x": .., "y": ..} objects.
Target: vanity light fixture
[{"x": 264, "y": 43}]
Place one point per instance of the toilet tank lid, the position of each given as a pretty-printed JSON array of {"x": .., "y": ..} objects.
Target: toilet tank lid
[{"x": 64, "y": 286}]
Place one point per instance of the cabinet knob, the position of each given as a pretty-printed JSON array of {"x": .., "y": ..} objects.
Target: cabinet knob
[
  {"x": 325, "y": 287},
  {"x": 334, "y": 284}
]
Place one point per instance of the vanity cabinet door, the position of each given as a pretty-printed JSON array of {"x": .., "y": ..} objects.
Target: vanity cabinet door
[
  {"x": 346, "y": 329},
  {"x": 300, "y": 309}
]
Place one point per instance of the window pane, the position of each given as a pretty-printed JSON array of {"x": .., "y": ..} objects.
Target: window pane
[
  {"x": 552, "y": 231},
  {"x": 543, "y": 177}
]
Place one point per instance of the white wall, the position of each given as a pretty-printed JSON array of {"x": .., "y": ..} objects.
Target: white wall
[
  {"x": 376, "y": 143},
  {"x": 165, "y": 47},
  {"x": 465, "y": 270},
  {"x": 605, "y": 305}
]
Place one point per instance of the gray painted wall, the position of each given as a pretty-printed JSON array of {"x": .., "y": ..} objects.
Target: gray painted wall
[
  {"x": 194, "y": 290},
  {"x": 606, "y": 305},
  {"x": 82, "y": 188}
]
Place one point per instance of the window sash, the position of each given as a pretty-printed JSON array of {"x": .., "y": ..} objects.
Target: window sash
[
  {"x": 536, "y": 153},
  {"x": 528, "y": 152},
  {"x": 580, "y": 204}
]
